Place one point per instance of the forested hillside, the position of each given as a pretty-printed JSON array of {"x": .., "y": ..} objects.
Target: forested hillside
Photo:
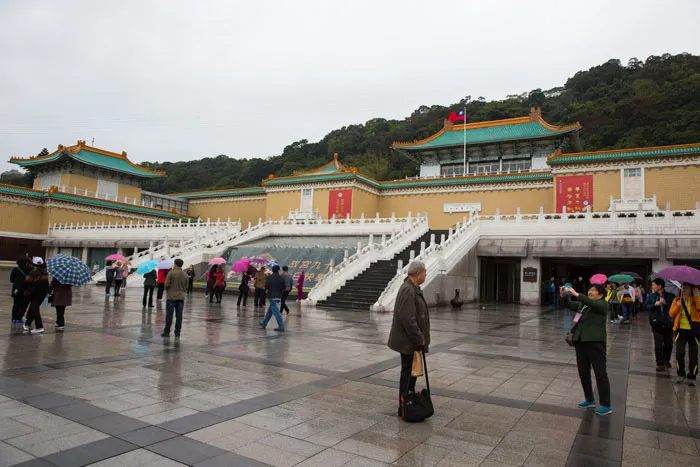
[{"x": 655, "y": 102}]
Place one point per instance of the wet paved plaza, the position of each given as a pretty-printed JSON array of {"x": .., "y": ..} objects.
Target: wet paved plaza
[{"x": 111, "y": 392}]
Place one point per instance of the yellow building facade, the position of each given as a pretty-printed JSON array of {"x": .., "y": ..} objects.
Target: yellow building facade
[{"x": 71, "y": 183}]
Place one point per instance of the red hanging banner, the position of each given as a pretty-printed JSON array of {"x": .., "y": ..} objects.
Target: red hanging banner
[
  {"x": 575, "y": 192},
  {"x": 339, "y": 203}
]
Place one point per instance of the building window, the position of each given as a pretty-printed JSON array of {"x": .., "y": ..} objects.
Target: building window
[
  {"x": 110, "y": 190},
  {"x": 517, "y": 165},
  {"x": 47, "y": 181},
  {"x": 484, "y": 168},
  {"x": 451, "y": 170},
  {"x": 307, "y": 200},
  {"x": 632, "y": 184}
]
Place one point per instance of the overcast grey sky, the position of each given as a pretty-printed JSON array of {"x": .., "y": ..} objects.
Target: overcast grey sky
[{"x": 177, "y": 80}]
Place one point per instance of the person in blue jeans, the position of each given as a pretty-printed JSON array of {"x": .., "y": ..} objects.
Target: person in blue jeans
[
  {"x": 275, "y": 286},
  {"x": 176, "y": 283}
]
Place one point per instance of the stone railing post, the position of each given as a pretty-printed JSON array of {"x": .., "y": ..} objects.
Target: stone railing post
[
  {"x": 518, "y": 216},
  {"x": 345, "y": 255},
  {"x": 498, "y": 215},
  {"x": 442, "y": 239},
  {"x": 362, "y": 218},
  {"x": 411, "y": 256},
  {"x": 371, "y": 239},
  {"x": 383, "y": 240},
  {"x": 393, "y": 217},
  {"x": 399, "y": 266},
  {"x": 432, "y": 239}
]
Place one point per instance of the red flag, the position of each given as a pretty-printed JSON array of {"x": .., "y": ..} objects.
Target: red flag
[{"x": 457, "y": 116}]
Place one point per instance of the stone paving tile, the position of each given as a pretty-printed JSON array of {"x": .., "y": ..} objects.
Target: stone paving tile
[
  {"x": 10, "y": 455},
  {"x": 505, "y": 390},
  {"x": 137, "y": 458}
]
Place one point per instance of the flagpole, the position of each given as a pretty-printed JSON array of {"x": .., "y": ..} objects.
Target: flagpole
[{"x": 465, "y": 142}]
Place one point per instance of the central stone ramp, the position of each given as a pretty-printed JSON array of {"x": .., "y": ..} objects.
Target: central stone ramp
[{"x": 363, "y": 291}]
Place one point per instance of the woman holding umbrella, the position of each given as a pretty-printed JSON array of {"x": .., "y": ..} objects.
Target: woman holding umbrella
[
  {"x": 67, "y": 272},
  {"x": 685, "y": 311},
  {"x": 61, "y": 296}
]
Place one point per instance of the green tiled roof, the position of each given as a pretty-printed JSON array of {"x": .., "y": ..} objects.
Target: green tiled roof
[
  {"x": 19, "y": 191},
  {"x": 624, "y": 154},
  {"x": 95, "y": 159},
  {"x": 468, "y": 180},
  {"x": 320, "y": 178},
  {"x": 489, "y": 134},
  {"x": 217, "y": 193}
]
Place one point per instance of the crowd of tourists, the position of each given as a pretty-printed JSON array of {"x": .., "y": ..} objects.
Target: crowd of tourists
[{"x": 30, "y": 289}]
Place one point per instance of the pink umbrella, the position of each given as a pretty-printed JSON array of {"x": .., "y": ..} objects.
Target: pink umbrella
[
  {"x": 115, "y": 257},
  {"x": 599, "y": 279},
  {"x": 241, "y": 265},
  {"x": 217, "y": 261}
]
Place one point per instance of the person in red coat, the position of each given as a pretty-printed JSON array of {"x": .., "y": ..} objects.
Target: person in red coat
[
  {"x": 219, "y": 284},
  {"x": 162, "y": 274}
]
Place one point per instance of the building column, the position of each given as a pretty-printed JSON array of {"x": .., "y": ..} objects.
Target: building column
[
  {"x": 84, "y": 255},
  {"x": 530, "y": 280},
  {"x": 658, "y": 264}
]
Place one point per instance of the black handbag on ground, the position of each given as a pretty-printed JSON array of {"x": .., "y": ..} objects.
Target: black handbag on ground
[{"x": 417, "y": 406}]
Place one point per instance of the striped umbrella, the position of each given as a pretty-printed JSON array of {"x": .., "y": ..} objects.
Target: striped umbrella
[{"x": 69, "y": 270}]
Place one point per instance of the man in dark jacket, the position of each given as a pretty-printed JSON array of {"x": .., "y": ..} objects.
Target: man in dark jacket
[
  {"x": 288, "y": 288},
  {"x": 109, "y": 277},
  {"x": 175, "y": 291},
  {"x": 150, "y": 280},
  {"x": 410, "y": 329},
  {"x": 658, "y": 304},
  {"x": 275, "y": 286},
  {"x": 18, "y": 277}
]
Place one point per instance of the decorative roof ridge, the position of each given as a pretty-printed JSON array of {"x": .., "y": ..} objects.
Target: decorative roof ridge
[
  {"x": 558, "y": 154},
  {"x": 17, "y": 187},
  {"x": 75, "y": 149},
  {"x": 340, "y": 167},
  {"x": 185, "y": 193},
  {"x": 306, "y": 176},
  {"x": 534, "y": 116},
  {"x": 467, "y": 177}
]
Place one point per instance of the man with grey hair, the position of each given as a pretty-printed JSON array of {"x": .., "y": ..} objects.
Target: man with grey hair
[{"x": 410, "y": 329}]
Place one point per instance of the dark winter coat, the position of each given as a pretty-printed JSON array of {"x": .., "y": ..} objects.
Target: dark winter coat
[
  {"x": 411, "y": 324},
  {"x": 62, "y": 294},
  {"x": 150, "y": 278}
]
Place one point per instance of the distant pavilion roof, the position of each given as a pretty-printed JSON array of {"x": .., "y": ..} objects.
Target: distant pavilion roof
[
  {"x": 332, "y": 171},
  {"x": 558, "y": 158},
  {"x": 531, "y": 127},
  {"x": 93, "y": 157}
]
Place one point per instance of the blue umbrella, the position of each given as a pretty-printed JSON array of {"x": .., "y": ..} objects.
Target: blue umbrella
[
  {"x": 69, "y": 270},
  {"x": 147, "y": 266}
]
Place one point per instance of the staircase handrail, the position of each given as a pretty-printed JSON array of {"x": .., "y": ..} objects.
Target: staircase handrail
[
  {"x": 354, "y": 264},
  {"x": 431, "y": 256}
]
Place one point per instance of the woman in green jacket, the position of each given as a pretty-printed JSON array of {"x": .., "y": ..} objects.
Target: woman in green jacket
[{"x": 590, "y": 341}]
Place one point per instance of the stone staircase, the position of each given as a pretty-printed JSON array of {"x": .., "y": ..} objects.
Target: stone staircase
[{"x": 363, "y": 291}]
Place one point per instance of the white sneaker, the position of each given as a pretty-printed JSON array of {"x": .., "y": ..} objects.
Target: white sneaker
[
  {"x": 60, "y": 328},
  {"x": 37, "y": 331},
  {"x": 25, "y": 327}
]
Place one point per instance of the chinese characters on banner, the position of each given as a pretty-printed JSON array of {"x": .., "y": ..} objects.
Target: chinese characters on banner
[
  {"x": 575, "y": 192},
  {"x": 339, "y": 203}
]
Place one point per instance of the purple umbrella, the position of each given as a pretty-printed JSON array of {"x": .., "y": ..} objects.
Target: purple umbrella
[
  {"x": 259, "y": 261},
  {"x": 681, "y": 274}
]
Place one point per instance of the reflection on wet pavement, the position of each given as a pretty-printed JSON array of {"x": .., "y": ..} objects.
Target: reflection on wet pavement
[{"x": 111, "y": 392}]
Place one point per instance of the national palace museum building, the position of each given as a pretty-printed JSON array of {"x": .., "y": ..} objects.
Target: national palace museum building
[{"x": 515, "y": 166}]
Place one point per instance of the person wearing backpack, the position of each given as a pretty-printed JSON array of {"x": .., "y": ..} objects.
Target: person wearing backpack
[
  {"x": 658, "y": 304},
  {"x": 685, "y": 312},
  {"x": 150, "y": 281},
  {"x": 18, "y": 277},
  {"x": 627, "y": 297}
]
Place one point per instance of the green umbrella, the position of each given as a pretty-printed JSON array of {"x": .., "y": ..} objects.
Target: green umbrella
[{"x": 620, "y": 278}]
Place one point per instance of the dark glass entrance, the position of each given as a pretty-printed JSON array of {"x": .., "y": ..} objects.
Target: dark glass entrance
[{"x": 499, "y": 280}]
